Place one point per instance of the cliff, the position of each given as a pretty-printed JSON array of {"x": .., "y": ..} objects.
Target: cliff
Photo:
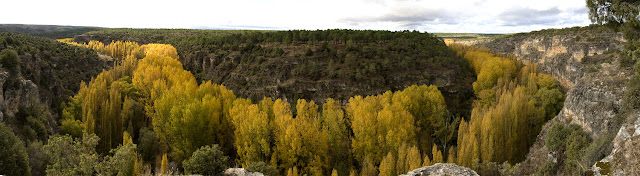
[{"x": 585, "y": 61}]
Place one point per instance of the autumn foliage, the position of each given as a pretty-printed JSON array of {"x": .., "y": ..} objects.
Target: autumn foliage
[
  {"x": 513, "y": 102},
  {"x": 387, "y": 134}
]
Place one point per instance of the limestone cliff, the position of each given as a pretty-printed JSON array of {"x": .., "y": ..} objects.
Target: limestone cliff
[{"x": 586, "y": 64}]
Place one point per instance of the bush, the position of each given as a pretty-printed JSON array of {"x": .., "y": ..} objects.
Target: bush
[
  {"x": 576, "y": 141},
  {"x": 548, "y": 168},
  {"x": 121, "y": 163},
  {"x": 9, "y": 58},
  {"x": 148, "y": 145},
  {"x": 30, "y": 122},
  {"x": 263, "y": 168},
  {"x": 37, "y": 158},
  {"x": 556, "y": 137},
  {"x": 309, "y": 52},
  {"x": 13, "y": 155},
  {"x": 69, "y": 157},
  {"x": 206, "y": 161}
]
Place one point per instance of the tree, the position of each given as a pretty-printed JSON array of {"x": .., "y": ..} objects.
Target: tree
[
  {"x": 387, "y": 166},
  {"x": 368, "y": 167},
  {"x": 206, "y": 161},
  {"x": 335, "y": 126},
  {"x": 148, "y": 145},
  {"x": 413, "y": 159},
  {"x": 72, "y": 157},
  {"x": 9, "y": 59},
  {"x": 164, "y": 164},
  {"x": 123, "y": 162},
  {"x": 437, "y": 155},
  {"x": 37, "y": 158},
  {"x": 13, "y": 155},
  {"x": 616, "y": 13},
  {"x": 252, "y": 132}
]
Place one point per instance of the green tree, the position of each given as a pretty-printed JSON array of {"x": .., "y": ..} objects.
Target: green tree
[
  {"x": 123, "y": 162},
  {"x": 9, "y": 59},
  {"x": 616, "y": 13},
  {"x": 37, "y": 158},
  {"x": 13, "y": 155},
  {"x": 148, "y": 145},
  {"x": 206, "y": 161},
  {"x": 72, "y": 157}
]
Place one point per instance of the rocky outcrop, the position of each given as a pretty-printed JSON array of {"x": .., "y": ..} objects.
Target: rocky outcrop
[
  {"x": 625, "y": 155},
  {"x": 587, "y": 67},
  {"x": 240, "y": 172},
  {"x": 20, "y": 93},
  {"x": 442, "y": 169}
]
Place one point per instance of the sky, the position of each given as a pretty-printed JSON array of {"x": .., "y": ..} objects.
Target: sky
[{"x": 450, "y": 16}]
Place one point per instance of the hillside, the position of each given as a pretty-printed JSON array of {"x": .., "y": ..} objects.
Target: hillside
[
  {"x": 313, "y": 64},
  {"x": 56, "y": 68},
  {"x": 48, "y": 31}
]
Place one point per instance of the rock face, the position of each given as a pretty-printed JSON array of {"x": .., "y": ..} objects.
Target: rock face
[
  {"x": 20, "y": 93},
  {"x": 587, "y": 68},
  {"x": 442, "y": 169},
  {"x": 240, "y": 172},
  {"x": 625, "y": 155},
  {"x": 566, "y": 57}
]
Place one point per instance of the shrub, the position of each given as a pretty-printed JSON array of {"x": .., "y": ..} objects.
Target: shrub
[
  {"x": 309, "y": 52},
  {"x": 148, "y": 145},
  {"x": 548, "y": 168},
  {"x": 9, "y": 58},
  {"x": 37, "y": 158},
  {"x": 13, "y": 155},
  {"x": 71, "y": 157},
  {"x": 121, "y": 163},
  {"x": 556, "y": 137},
  {"x": 206, "y": 161},
  {"x": 30, "y": 122},
  {"x": 576, "y": 141}
]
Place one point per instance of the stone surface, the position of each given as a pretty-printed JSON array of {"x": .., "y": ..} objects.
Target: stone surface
[
  {"x": 442, "y": 169},
  {"x": 625, "y": 155},
  {"x": 241, "y": 172}
]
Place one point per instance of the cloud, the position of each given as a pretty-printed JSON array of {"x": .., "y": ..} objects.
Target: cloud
[
  {"x": 527, "y": 16},
  {"x": 407, "y": 17}
]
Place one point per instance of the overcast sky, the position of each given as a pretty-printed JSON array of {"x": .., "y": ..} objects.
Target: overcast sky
[{"x": 474, "y": 16}]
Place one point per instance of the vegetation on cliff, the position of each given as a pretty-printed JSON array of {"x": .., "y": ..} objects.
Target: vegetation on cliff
[{"x": 312, "y": 65}]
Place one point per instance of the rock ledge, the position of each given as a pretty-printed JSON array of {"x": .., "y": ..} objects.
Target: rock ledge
[{"x": 441, "y": 169}]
